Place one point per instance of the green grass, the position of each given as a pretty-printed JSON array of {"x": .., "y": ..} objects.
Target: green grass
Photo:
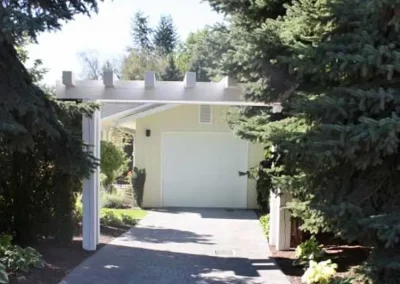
[{"x": 133, "y": 213}]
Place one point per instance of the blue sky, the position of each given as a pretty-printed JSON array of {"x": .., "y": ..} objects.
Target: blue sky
[{"x": 108, "y": 32}]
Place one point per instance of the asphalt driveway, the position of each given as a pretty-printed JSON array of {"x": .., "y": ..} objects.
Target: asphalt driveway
[{"x": 184, "y": 246}]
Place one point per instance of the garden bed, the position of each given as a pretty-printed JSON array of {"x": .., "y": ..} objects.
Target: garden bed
[
  {"x": 346, "y": 256},
  {"x": 61, "y": 259}
]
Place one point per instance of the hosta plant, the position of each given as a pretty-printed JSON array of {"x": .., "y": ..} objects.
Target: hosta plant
[
  {"x": 319, "y": 272},
  {"x": 3, "y": 274},
  {"x": 308, "y": 250},
  {"x": 21, "y": 259},
  {"x": 15, "y": 258}
]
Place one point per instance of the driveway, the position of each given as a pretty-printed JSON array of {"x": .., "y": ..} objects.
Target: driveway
[{"x": 184, "y": 246}]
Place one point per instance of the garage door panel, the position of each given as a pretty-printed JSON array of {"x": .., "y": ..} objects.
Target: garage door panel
[{"x": 201, "y": 170}]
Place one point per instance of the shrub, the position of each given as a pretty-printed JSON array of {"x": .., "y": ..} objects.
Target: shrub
[
  {"x": 319, "y": 273},
  {"x": 15, "y": 258},
  {"x": 128, "y": 220},
  {"x": 78, "y": 210},
  {"x": 308, "y": 250},
  {"x": 110, "y": 219},
  {"x": 113, "y": 200},
  {"x": 113, "y": 162},
  {"x": 264, "y": 220},
  {"x": 138, "y": 181}
]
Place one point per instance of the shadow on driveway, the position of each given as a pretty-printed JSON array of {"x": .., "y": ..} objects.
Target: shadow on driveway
[
  {"x": 119, "y": 264},
  {"x": 152, "y": 234}
]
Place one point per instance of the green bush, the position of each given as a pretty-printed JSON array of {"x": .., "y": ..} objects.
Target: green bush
[
  {"x": 319, "y": 272},
  {"x": 264, "y": 220},
  {"x": 307, "y": 251},
  {"x": 112, "y": 164},
  {"x": 113, "y": 200},
  {"x": 110, "y": 219},
  {"x": 138, "y": 181},
  {"x": 14, "y": 258},
  {"x": 128, "y": 220}
]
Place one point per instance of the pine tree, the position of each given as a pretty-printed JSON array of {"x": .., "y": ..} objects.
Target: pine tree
[
  {"x": 24, "y": 108},
  {"x": 165, "y": 36},
  {"x": 41, "y": 151},
  {"x": 334, "y": 65},
  {"x": 171, "y": 72},
  {"x": 141, "y": 32}
]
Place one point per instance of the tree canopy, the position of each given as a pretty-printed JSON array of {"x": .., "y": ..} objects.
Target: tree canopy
[
  {"x": 334, "y": 66},
  {"x": 42, "y": 155}
]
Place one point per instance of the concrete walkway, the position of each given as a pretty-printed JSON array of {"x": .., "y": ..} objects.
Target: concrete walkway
[{"x": 184, "y": 246}]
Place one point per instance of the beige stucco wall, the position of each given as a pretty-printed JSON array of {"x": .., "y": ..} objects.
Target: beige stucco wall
[{"x": 181, "y": 118}]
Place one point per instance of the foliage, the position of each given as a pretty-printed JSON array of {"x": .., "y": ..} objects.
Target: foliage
[
  {"x": 171, "y": 72},
  {"x": 264, "y": 220},
  {"x": 112, "y": 217},
  {"x": 319, "y": 273},
  {"x": 113, "y": 199},
  {"x": 138, "y": 62},
  {"x": 165, "y": 36},
  {"x": 42, "y": 155},
  {"x": 128, "y": 220},
  {"x": 138, "y": 181},
  {"x": 78, "y": 210},
  {"x": 113, "y": 161},
  {"x": 383, "y": 266},
  {"x": 308, "y": 250},
  {"x": 14, "y": 258},
  {"x": 141, "y": 32},
  {"x": 202, "y": 52},
  {"x": 334, "y": 67}
]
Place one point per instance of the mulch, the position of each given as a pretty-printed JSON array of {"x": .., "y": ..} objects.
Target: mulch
[
  {"x": 345, "y": 256},
  {"x": 62, "y": 258}
]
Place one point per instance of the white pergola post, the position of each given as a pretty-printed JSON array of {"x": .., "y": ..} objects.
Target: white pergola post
[
  {"x": 280, "y": 224},
  {"x": 91, "y": 185}
]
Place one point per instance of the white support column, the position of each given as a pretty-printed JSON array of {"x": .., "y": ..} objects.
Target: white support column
[
  {"x": 283, "y": 224},
  {"x": 90, "y": 224},
  {"x": 97, "y": 117},
  {"x": 272, "y": 219}
]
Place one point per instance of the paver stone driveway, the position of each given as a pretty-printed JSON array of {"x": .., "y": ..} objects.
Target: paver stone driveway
[{"x": 178, "y": 246}]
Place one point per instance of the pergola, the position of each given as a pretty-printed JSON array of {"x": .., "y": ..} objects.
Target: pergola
[{"x": 225, "y": 92}]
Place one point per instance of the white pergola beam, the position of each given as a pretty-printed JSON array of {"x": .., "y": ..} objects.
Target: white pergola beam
[
  {"x": 108, "y": 79},
  {"x": 190, "y": 80},
  {"x": 164, "y": 92},
  {"x": 68, "y": 78},
  {"x": 229, "y": 82},
  {"x": 149, "y": 79}
]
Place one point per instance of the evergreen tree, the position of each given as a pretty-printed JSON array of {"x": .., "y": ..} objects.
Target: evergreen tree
[
  {"x": 25, "y": 108},
  {"x": 141, "y": 32},
  {"x": 171, "y": 72},
  {"x": 41, "y": 150},
  {"x": 165, "y": 36},
  {"x": 334, "y": 65}
]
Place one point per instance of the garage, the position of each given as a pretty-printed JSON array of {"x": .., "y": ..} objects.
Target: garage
[{"x": 200, "y": 169}]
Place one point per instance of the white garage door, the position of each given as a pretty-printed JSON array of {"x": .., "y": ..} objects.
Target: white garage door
[{"x": 201, "y": 170}]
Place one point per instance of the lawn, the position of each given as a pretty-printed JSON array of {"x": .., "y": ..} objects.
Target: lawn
[{"x": 133, "y": 213}]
